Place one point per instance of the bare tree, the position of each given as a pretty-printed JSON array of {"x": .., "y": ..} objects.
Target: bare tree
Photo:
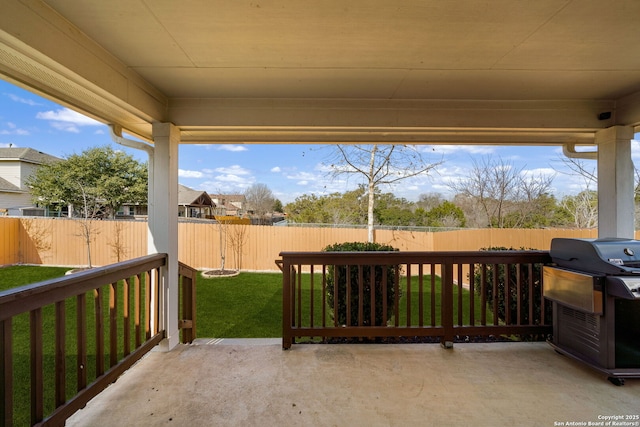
[
  {"x": 584, "y": 205},
  {"x": 429, "y": 201},
  {"x": 379, "y": 165},
  {"x": 90, "y": 210},
  {"x": 489, "y": 183},
  {"x": 260, "y": 200},
  {"x": 117, "y": 242},
  {"x": 499, "y": 190},
  {"x": 222, "y": 223},
  {"x": 238, "y": 238},
  {"x": 583, "y": 169},
  {"x": 531, "y": 190}
]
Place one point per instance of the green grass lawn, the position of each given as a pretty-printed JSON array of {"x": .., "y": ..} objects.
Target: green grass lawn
[
  {"x": 245, "y": 306},
  {"x": 18, "y": 275},
  {"x": 250, "y": 305}
]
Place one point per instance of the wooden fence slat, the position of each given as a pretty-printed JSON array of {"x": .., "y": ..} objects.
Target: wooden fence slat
[{"x": 259, "y": 246}]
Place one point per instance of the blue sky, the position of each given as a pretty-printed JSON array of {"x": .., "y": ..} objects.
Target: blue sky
[{"x": 27, "y": 120}]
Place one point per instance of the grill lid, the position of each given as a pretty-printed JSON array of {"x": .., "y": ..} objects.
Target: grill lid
[{"x": 615, "y": 256}]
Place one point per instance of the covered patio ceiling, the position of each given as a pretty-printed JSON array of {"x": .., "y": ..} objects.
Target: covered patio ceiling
[{"x": 335, "y": 71}]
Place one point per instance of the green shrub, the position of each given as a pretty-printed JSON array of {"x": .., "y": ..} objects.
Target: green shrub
[
  {"x": 339, "y": 274},
  {"x": 512, "y": 278}
]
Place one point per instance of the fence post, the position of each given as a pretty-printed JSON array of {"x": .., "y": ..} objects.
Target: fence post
[
  {"x": 187, "y": 323},
  {"x": 286, "y": 268},
  {"x": 447, "y": 304}
]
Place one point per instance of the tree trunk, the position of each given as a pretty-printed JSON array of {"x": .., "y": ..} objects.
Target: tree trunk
[{"x": 372, "y": 188}]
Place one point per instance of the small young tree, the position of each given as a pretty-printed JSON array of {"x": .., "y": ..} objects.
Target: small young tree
[
  {"x": 89, "y": 211},
  {"x": 117, "y": 242},
  {"x": 237, "y": 239},
  {"x": 222, "y": 224}
]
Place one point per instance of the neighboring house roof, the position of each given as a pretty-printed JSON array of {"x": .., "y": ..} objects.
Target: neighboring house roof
[
  {"x": 26, "y": 155},
  {"x": 9, "y": 187},
  {"x": 190, "y": 197},
  {"x": 230, "y": 201}
]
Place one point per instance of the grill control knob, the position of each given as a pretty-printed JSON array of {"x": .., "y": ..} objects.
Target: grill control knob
[{"x": 628, "y": 251}]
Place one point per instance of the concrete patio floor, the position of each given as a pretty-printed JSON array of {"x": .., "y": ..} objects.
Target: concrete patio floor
[{"x": 256, "y": 383}]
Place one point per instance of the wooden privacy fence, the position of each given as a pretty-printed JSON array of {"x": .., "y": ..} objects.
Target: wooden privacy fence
[
  {"x": 64, "y": 340},
  {"x": 57, "y": 241},
  {"x": 339, "y": 294}
]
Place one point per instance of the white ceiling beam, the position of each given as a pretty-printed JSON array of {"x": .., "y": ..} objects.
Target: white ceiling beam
[{"x": 359, "y": 135}]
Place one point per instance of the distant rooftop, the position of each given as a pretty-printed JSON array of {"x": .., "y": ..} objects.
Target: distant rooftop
[
  {"x": 189, "y": 196},
  {"x": 6, "y": 186},
  {"x": 26, "y": 154}
]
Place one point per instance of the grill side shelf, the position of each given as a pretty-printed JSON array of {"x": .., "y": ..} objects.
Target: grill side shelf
[{"x": 578, "y": 290}]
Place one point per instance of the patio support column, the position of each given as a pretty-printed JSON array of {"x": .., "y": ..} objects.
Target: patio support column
[
  {"x": 615, "y": 182},
  {"x": 163, "y": 225}
]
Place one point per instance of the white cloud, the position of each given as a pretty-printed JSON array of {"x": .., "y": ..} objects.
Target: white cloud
[
  {"x": 635, "y": 150},
  {"x": 20, "y": 132},
  {"x": 538, "y": 172},
  {"x": 299, "y": 176},
  {"x": 230, "y": 178},
  {"x": 21, "y": 100},
  {"x": 13, "y": 130},
  {"x": 231, "y": 170},
  {"x": 455, "y": 149},
  {"x": 230, "y": 147},
  {"x": 67, "y": 120},
  {"x": 189, "y": 174},
  {"x": 227, "y": 184},
  {"x": 276, "y": 169},
  {"x": 329, "y": 169},
  {"x": 65, "y": 127}
]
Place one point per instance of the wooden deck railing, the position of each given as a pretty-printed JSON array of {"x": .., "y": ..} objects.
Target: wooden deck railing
[
  {"x": 448, "y": 296},
  {"x": 64, "y": 340},
  {"x": 187, "y": 321}
]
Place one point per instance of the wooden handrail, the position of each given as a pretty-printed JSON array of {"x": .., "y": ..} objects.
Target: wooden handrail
[
  {"x": 123, "y": 295},
  {"x": 47, "y": 292},
  {"x": 504, "y": 306}
]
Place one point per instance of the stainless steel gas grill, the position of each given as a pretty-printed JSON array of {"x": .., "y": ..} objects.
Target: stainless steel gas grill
[{"x": 595, "y": 290}]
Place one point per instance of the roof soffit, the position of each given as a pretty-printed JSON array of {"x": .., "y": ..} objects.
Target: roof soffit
[{"x": 378, "y": 71}]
